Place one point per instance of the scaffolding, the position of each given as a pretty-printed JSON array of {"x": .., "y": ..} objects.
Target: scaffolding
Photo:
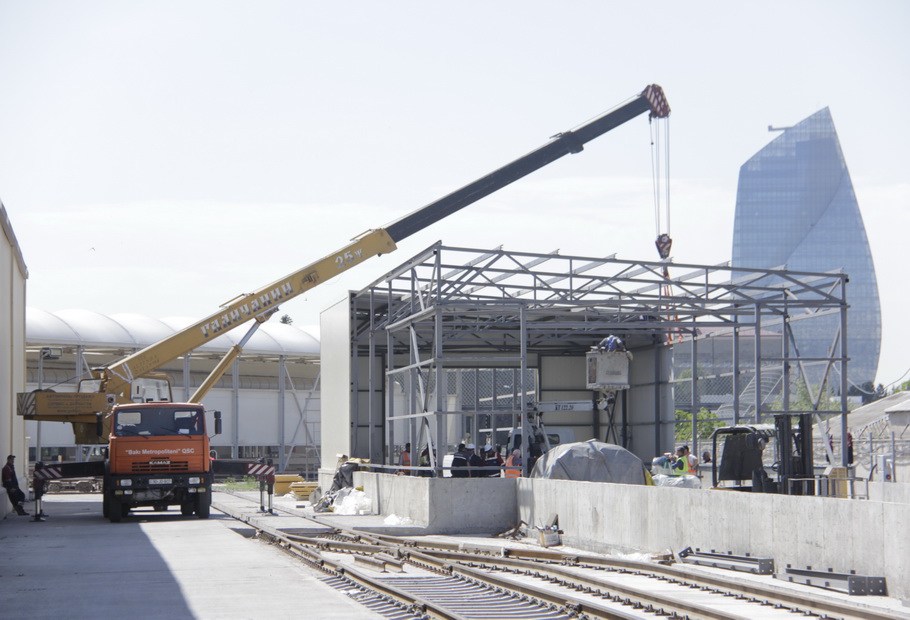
[{"x": 420, "y": 332}]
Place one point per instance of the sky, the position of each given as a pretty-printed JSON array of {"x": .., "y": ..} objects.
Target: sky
[{"x": 161, "y": 158}]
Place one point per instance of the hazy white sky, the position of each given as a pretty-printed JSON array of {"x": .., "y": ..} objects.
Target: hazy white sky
[{"x": 163, "y": 157}]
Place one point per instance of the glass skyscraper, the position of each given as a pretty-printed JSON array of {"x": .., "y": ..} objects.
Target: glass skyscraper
[{"x": 795, "y": 206}]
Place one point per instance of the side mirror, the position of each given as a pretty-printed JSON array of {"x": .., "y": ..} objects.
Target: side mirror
[
  {"x": 217, "y": 422},
  {"x": 99, "y": 424}
]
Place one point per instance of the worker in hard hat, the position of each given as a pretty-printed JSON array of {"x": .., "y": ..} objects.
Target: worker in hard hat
[{"x": 490, "y": 459}]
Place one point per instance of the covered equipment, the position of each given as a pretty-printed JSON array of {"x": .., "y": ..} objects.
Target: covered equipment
[{"x": 591, "y": 461}]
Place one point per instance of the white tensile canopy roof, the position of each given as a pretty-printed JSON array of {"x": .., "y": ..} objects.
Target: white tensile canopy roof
[{"x": 129, "y": 331}]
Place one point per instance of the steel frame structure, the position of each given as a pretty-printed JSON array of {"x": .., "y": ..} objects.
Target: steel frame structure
[{"x": 453, "y": 307}]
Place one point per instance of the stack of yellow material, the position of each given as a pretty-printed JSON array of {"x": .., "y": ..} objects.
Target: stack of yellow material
[
  {"x": 302, "y": 490},
  {"x": 283, "y": 482}
]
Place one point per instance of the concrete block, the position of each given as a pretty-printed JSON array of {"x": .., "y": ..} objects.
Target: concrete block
[
  {"x": 835, "y": 519},
  {"x": 761, "y": 524},
  {"x": 673, "y": 519},
  {"x": 628, "y": 521},
  {"x": 699, "y": 525},
  {"x": 802, "y": 531},
  {"x": 785, "y": 537},
  {"x": 624, "y": 522},
  {"x": 734, "y": 532},
  {"x": 471, "y": 505},
  {"x": 892, "y": 492},
  {"x": 868, "y": 537},
  {"x": 895, "y": 528}
]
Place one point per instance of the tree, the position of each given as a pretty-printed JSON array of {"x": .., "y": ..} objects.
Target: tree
[
  {"x": 707, "y": 422},
  {"x": 285, "y": 319},
  {"x": 801, "y": 398},
  {"x": 867, "y": 392}
]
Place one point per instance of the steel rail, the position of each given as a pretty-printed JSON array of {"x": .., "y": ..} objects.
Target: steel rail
[
  {"x": 431, "y": 563},
  {"x": 821, "y": 606},
  {"x": 413, "y": 604},
  {"x": 563, "y": 577},
  {"x": 452, "y": 562},
  {"x": 451, "y": 559},
  {"x": 531, "y": 595}
]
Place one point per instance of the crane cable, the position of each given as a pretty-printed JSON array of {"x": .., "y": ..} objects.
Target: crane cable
[{"x": 660, "y": 177}]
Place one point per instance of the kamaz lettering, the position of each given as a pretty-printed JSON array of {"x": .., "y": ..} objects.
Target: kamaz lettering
[{"x": 246, "y": 309}]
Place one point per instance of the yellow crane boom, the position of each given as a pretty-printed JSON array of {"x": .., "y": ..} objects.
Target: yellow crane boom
[{"x": 114, "y": 383}]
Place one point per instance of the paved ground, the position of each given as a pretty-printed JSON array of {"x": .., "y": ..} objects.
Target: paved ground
[
  {"x": 153, "y": 565},
  {"x": 161, "y": 565}
]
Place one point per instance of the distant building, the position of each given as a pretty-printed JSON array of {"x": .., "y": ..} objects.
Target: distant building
[
  {"x": 795, "y": 206},
  {"x": 13, "y": 276}
]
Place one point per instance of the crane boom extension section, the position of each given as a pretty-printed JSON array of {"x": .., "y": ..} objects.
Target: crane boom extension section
[
  {"x": 115, "y": 380},
  {"x": 650, "y": 100}
]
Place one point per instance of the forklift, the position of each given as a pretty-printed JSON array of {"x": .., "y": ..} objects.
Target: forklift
[{"x": 745, "y": 453}]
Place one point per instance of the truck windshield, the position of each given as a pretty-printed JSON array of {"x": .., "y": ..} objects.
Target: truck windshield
[{"x": 156, "y": 421}]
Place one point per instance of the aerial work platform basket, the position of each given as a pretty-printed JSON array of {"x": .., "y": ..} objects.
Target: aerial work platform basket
[{"x": 607, "y": 370}]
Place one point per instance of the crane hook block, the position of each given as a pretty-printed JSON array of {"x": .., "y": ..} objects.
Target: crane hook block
[{"x": 664, "y": 243}]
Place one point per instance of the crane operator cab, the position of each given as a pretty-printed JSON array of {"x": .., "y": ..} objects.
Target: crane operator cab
[{"x": 149, "y": 389}]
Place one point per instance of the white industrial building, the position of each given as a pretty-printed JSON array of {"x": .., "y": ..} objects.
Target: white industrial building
[
  {"x": 269, "y": 399},
  {"x": 13, "y": 274}
]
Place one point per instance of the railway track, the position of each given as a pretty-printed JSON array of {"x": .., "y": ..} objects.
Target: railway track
[{"x": 416, "y": 578}]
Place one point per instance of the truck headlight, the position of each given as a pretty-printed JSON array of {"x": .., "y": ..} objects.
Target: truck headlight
[
  {"x": 126, "y": 482},
  {"x": 195, "y": 480}
]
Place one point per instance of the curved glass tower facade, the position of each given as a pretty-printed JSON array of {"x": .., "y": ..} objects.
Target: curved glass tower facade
[{"x": 795, "y": 206}]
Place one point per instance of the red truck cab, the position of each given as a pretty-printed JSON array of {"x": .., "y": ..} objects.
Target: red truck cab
[{"x": 159, "y": 457}]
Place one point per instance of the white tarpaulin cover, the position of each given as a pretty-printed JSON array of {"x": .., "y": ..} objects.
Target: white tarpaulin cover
[
  {"x": 592, "y": 461},
  {"x": 685, "y": 482}
]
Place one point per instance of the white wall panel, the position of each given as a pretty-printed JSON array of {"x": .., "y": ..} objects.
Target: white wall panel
[{"x": 335, "y": 332}]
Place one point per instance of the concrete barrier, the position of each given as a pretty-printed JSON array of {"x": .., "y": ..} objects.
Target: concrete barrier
[
  {"x": 892, "y": 492},
  {"x": 444, "y": 505},
  {"x": 866, "y": 536}
]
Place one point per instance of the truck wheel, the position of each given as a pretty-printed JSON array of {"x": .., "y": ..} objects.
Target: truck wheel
[
  {"x": 186, "y": 509},
  {"x": 203, "y": 505},
  {"x": 106, "y": 507}
]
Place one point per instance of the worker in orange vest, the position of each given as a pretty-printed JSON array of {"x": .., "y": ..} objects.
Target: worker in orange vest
[
  {"x": 404, "y": 460},
  {"x": 513, "y": 464},
  {"x": 691, "y": 461}
]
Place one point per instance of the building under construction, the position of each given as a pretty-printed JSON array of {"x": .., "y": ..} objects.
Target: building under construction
[{"x": 457, "y": 342}]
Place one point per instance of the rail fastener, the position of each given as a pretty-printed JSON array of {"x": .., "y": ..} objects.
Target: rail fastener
[
  {"x": 848, "y": 583},
  {"x": 742, "y": 563}
]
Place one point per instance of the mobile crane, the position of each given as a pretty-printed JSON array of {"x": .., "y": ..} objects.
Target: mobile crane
[{"x": 130, "y": 406}]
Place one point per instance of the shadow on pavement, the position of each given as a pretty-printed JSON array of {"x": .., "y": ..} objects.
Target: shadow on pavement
[{"x": 77, "y": 564}]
